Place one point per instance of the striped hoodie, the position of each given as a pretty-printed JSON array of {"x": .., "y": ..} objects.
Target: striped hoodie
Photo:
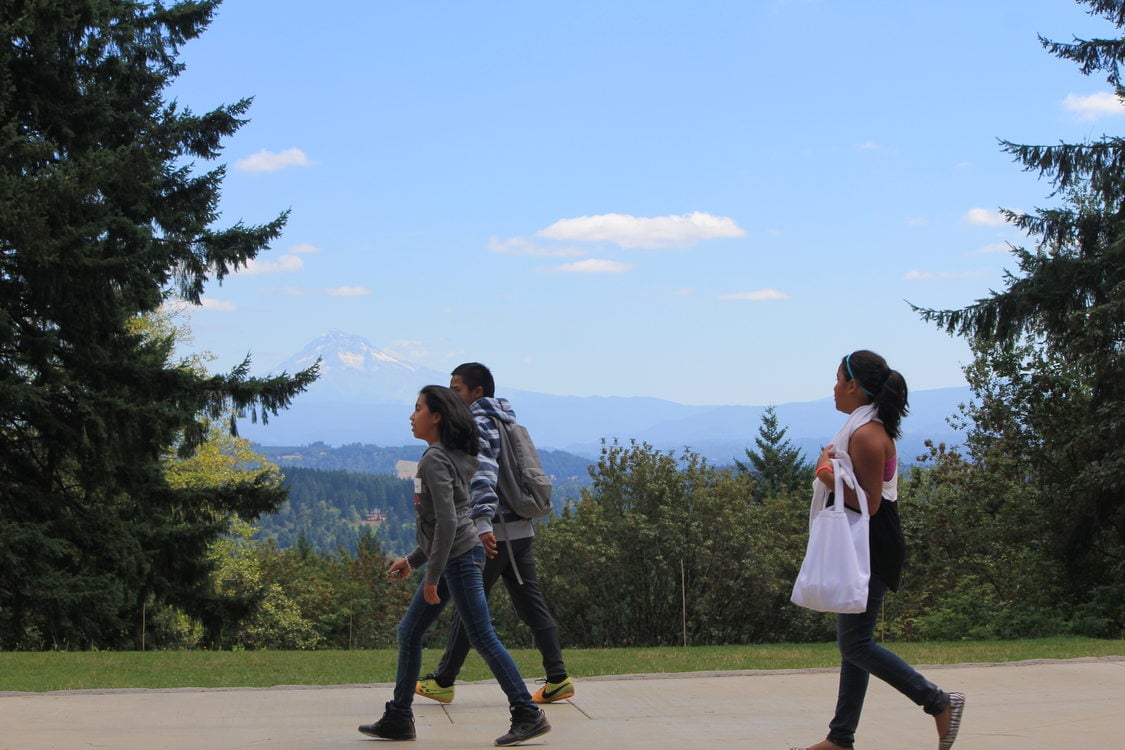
[{"x": 482, "y": 488}]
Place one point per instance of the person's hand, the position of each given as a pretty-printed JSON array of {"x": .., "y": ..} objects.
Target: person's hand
[
  {"x": 488, "y": 539},
  {"x": 400, "y": 568},
  {"x": 430, "y": 594},
  {"x": 824, "y": 465}
]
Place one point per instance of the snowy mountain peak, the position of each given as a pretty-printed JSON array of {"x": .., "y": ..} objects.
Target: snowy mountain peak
[
  {"x": 353, "y": 370},
  {"x": 340, "y": 351}
]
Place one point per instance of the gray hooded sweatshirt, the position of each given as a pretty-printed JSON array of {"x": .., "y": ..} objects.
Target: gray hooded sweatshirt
[{"x": 441, "y": 503}]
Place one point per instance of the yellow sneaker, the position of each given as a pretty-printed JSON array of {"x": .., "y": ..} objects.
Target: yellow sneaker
[
  {"x": 554, "y": 691},
  {"x": 428, "y": 687}
]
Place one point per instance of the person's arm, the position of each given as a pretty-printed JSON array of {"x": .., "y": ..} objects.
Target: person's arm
[
  {"x": 482, "y": 487},
  {"x": 416, "y": 559},
  {"x": 439, "y": 474}
]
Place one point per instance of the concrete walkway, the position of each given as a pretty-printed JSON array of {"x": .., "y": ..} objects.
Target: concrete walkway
[{"x": 1054, "y": 705}]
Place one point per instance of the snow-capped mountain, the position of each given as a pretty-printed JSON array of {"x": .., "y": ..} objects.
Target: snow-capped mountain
[
  {"x": 365, "y": 395},
  {"x": 354, "y": 370}
]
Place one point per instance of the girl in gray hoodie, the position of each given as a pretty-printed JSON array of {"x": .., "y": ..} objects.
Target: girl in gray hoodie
[{"x": 454, "y": 557}]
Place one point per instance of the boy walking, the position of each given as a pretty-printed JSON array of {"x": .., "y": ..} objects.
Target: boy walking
[{"x": 507, "y": 540}]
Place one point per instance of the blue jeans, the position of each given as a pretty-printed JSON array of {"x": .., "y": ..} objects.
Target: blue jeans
[
  {"x": 862, "y": 657},
  {"x": 530, "y": 605},
  {"x": 463, "y": 582}
]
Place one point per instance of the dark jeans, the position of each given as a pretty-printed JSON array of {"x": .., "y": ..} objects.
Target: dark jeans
[
  {"x": 863, "y": 657},
  {"x": 463, "y": 582},
  {"x": 529, "y": 604}
]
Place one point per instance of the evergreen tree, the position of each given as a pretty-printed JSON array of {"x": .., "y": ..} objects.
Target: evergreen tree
[
  {"x": 101, "y": 220},
  {"x": 1067, "y": 303},
  {"x": 776, "y": 466}
]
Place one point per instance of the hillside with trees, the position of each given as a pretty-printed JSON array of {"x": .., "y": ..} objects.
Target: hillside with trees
[
  {"x": 333, "y": 494},
  {"x": 327, "y": 511},
  {"x": 362, "y": 458}
]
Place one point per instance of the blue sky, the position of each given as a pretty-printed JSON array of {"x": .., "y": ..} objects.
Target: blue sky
[{"x": 707, "y": 202}]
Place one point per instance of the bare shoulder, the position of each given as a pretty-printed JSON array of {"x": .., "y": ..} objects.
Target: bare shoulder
[{"x": 871, "y": 438}]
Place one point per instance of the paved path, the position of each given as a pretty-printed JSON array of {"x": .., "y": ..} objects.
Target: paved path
[{"x": 1053, "y": 705}]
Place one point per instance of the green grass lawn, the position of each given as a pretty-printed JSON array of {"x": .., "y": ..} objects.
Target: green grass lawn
[{"x": 85, "y": 670}]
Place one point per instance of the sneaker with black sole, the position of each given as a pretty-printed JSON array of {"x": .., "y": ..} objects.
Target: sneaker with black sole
[
  {"x": 527, "y": 724},
  {"x": 395, "y": 725},
  {"x": 554, "y": 691},
  {"x": 428, "y": 687}
]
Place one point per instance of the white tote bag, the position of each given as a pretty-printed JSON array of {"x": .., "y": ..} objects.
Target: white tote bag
[{"x": 837, "y": 566}]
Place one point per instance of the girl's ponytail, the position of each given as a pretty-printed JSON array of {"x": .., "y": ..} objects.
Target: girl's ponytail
[
  {"x": 886, "y": 387},
  {"x": 891, "y": 403}
]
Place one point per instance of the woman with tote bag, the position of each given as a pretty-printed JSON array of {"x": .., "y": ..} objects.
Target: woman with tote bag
[{"x": 875, "y": 398}]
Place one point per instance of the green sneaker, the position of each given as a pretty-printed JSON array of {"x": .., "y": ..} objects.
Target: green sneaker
[
  {"x": 554, "y": 691},
  {"x": 428, "y": 687}
]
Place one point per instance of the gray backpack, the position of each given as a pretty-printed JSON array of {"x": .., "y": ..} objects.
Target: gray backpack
[{"x": 522, "y": 486}]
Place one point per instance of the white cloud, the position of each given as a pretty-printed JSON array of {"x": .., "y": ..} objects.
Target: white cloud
[
  {"x": 655, "y": 232},
  {"x": 272, "y": 161},
  {"x": 915, "y": 221},
  {"x": 760, "y": 295},
  {"x": 304, "y": 248},
  {"x": 1094, "y": 106},
  {"x": 869, "y": 146},
  {"x": 523, "y": 246},
  {"x": 217, "y": 305},
  {"x": 984, "y": 217},
  {"x": 284, "y": 264},
  {"x": 593, "y": 265},
  {"x": 348, "y": 291},
  {"x": 683, "y": 293},
  {"x": 994, "y": 247},
  {"x": 942, "y": 275}
]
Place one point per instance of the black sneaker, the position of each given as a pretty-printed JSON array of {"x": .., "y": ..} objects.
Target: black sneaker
[
  {"x": 395, "y": 725},
  {"x": 527, "y": 723}
]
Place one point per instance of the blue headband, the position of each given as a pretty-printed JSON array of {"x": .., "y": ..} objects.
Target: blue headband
[{"x": 848, "y": 367}]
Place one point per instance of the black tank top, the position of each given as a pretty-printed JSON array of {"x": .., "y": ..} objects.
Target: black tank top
[{"x": 888, "y": 545}]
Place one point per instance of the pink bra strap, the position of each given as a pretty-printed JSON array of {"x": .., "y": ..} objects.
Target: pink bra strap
[{"x": 889, "y": 468}]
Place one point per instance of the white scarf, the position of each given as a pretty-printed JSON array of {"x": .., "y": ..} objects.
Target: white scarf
[
  {"x": 842, "y": 462},
  {"x": 842, "y": 439}
]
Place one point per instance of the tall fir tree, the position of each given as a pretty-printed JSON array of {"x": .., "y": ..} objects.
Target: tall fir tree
[
  {"x": 1067, "y": 303},
  {"x": 777, "y": 466},
  {"x": 101, "y": 221}
]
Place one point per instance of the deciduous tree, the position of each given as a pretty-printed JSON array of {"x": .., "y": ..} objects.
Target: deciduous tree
[{"x": 671, "y": 551}]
